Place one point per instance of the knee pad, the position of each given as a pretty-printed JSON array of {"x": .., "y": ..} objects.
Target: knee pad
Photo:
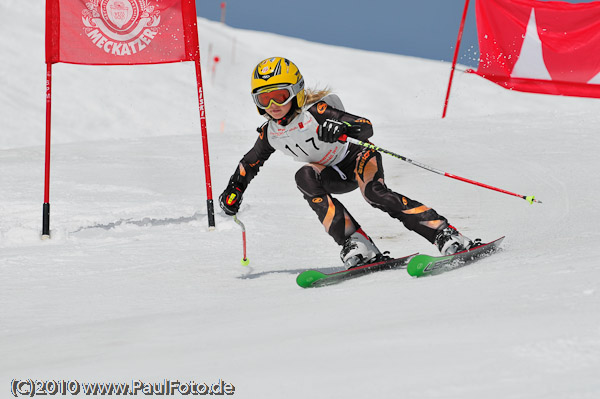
[
  {"x": 308, "y": 181},
  {"x": 374, "y": 192}
]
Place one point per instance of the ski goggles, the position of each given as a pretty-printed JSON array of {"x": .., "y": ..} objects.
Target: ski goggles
[{"x": 278, "y": 94}]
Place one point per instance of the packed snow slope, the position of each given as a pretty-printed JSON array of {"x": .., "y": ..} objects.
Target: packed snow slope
[{"x": 134, "y": 286}]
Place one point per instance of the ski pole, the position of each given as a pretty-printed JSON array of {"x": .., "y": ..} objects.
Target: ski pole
[
  {"x": 245, "y": 261},
  {"x": 529, "y": 198}
]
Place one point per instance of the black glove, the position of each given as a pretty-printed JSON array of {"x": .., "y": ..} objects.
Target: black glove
[
  {"x": 331, "y": 130},
  {"x": 231, "y": 199}
]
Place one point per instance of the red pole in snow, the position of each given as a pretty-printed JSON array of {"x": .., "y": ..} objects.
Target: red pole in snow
[
  {"x": 201, "y": 107},
  {"x": 223, "y": 9},
  {"x": 46, "y": 206},
  {"x": 195, "y": 47},
  {"x": 458, "y": 39},
  {"x": 214, "y": 67}
]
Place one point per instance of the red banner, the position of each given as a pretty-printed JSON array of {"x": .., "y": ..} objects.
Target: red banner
[
  {"x": 541, "y": 47},
  {"x": 120, "y": 32}
]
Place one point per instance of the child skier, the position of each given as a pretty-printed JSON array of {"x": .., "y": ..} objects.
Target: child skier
[{"x": 307, "y": 125}]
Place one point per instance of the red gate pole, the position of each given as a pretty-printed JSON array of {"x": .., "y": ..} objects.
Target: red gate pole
[
  {"x": 193, "y": 49},
  {"x": 458, "y": 39},
  {"x": 223, "y": 8},
  {"x": 209, "y": 199},
  {"x": 46, "y": 206}
]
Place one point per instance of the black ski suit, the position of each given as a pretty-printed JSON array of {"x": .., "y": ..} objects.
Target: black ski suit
[{"x": 335, "y": 168}]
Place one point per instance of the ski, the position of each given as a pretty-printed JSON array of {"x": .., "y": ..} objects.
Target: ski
[
  {"x": 315, "y": 278},
  {"x": 421, "y": 265}
]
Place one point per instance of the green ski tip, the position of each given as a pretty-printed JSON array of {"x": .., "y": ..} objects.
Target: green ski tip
[
  {"x": 530, "y": 199},
  {"x": 308, "y": 277},
  {"x": 417, "y": 265}
]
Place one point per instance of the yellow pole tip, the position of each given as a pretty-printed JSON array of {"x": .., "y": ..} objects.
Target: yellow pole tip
[{"x": 530, "y": 199}]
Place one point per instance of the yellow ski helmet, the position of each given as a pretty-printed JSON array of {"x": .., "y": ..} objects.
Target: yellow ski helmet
[{"x": 277, "y": 73}]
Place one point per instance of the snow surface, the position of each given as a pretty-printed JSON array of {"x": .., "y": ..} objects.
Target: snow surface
[{"x": 133, "y": 285}]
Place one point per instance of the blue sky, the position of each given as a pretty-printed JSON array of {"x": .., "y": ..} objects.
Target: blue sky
[{"x": 422, "y": 28}]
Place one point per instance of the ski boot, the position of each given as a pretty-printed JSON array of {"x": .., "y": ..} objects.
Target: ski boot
[
  {"x": 359, "y": 250},
  {"x": 449, "y": 241}
]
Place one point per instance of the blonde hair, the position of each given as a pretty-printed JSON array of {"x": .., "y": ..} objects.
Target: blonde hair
[{"x": 314, "y": 95}]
